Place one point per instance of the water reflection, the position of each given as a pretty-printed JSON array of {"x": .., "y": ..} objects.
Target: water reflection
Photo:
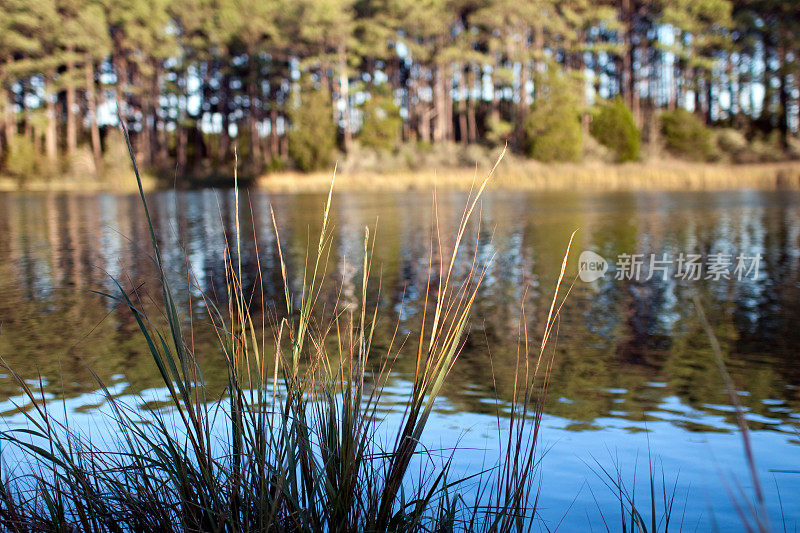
[
  {"x": 619, "y": 335},
  {"x": 630, "y": 352}
]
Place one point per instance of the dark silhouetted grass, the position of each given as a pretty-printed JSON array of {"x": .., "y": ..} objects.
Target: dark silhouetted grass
[{"x": 296, "y": 443}]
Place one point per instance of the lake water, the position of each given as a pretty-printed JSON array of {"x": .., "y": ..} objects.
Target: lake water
[{"x": 634, "y": 374}]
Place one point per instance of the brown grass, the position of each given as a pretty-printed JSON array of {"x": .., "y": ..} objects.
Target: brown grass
[
  {"x": 112, "y": 183},
  {"x": 535, "y": 176},
  {"x": 516, "y": 174}
]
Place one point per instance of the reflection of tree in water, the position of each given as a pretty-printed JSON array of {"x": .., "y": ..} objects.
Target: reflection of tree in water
[{"x": 616, "y": 338}]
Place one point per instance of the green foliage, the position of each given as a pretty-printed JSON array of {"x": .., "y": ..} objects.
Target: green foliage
[
  {"x": 54, "y": 48},
  {"x": 686, "y": 135},
  {"x": 312, "y": 139},
  {"x": 275, "y": 164},
  {"x": 553, "y": 129},
  {"x": 80, "y": 165},
  {"x": 614, "y": 127},
  {"x": 767, "y": 148},
  {"x": 732, "y": 146},
  {"x": 382, "y": 122},
  {"x": 731, "y": 141},
  {"x": 594, "y": 151},
  {"x": 21, "y": 158},
  {"x": 115, "y": 154},
  {"x": 498, "y": 131}
]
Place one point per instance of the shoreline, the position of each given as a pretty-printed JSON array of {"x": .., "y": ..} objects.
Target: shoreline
[
  {"x": 534, "y": 176},
  {"x": 115, "y": 184},
  {"x": 660, "y": 175}
]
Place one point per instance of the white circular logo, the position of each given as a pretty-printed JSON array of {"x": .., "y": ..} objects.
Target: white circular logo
[{"x": 591, "y": 266}]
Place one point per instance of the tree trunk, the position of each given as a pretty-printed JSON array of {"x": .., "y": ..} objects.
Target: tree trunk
[
  {"x": 675, "y": 88},
  {"x": 255, "y": 143},
  {"x": 344, "y": 96},
  {"x": 448, "y": 105},
  {"x": 524, "y": 101},
  {"x": 91, "y": 105},
  {"x": 51, "y": 132},
  {"x": 121, "y": 70},
  {"x": 525, "y": 97},
  {"x": 626, "y": 71},
  {"x": 733, "y": 90},
  {"x": 495, "y": 111},
  {"x": 9, "y": 122},
  {"x": 72, "y": 123},
  {"x": 698, "y": 103},
  {"x": 422, "y": 110},
  {"x": 27, "y": 128},
  {"x": 636, "y": 106},
  {"x": 252, "y": 115},
  {"x": 180, "y": 148},
  {"x": 163, "y": 142},
  {"x": 284, "y": 143},
  {"x": 471, "y": 133},
  {"x": 769, "y": 91},
  {"x": 538, "y": 53},
  {"x": 523, "y": 105},
  {"x": 252, "y": 129},
  {"x": 224, "y": 136},
  {"x": 37, "y": 140},
  {"x": 153, "y": 112},
  {"x": 462, "y": 123},
  {"x": 783, "y": 95},
  {"x": 439, "y": 106},
  {"x": 424, "y": 126},
  {"x": 653, "y": 129},
  {"x": 274, "y": 148},
  {"x": 145, "y": 106},
  {"x": 652, "y": 83}
]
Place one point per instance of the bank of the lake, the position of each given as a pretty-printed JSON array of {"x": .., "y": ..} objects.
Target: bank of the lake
[
  {"x": 516, "y": 174},
  {"x": 124, "y": 183},
  {"x": 661, "y": 175}
]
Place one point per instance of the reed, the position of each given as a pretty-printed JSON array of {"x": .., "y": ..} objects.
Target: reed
[
  {"x": 296, "y": 443},
  {"x": 655, "y": 515},
  {"x": 525, "y": 175}
]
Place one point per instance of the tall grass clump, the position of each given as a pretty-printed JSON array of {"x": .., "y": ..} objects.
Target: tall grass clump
[
  {"x": 296, "y": 443},
  {"x": 654, "y": 514}
]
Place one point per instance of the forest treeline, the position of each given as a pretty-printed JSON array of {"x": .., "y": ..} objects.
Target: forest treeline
[{"x": 288, "y": 82}]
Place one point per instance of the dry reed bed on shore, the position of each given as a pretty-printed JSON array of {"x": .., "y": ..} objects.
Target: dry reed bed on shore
[{"x": 666, "y": 175}]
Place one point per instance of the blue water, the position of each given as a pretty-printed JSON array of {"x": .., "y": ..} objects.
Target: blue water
[{"x": 634, "y": 382}]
